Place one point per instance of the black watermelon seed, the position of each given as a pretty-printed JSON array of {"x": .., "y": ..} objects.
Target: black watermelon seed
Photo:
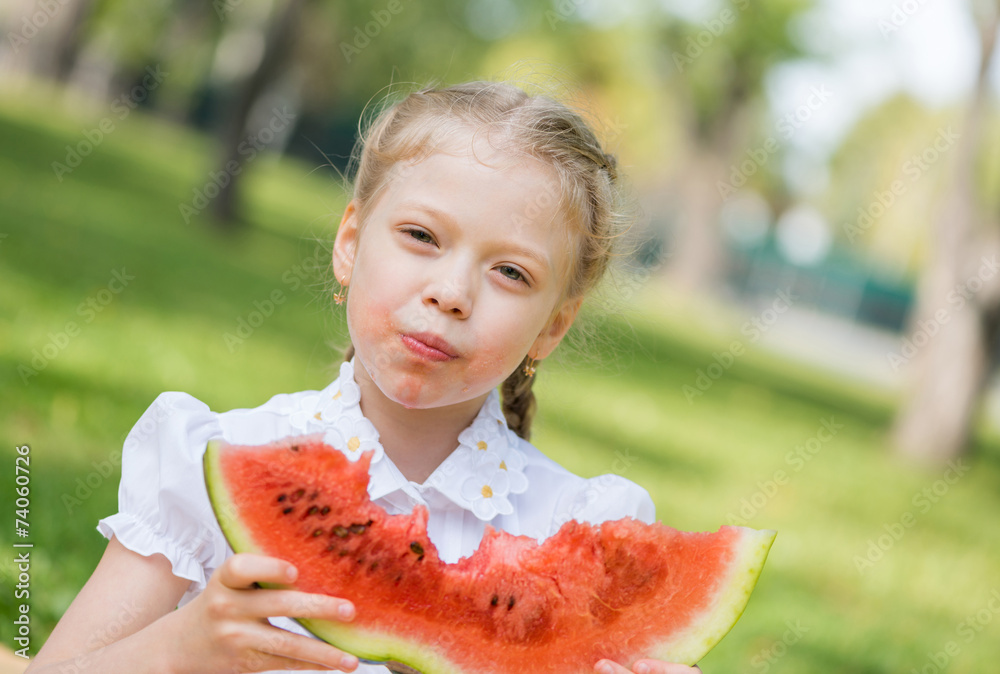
[
  {"x": 399, "y": 577},
  {"x": 325, "y": 510},
  {"x": 340, "y": 531},
  {"x": 420, "y": 558},
  {"x": 343, "y": 553},
  {"x": 318, "y": 532},
  {"x": 373, "y": 566},
  {"x": 332, "y": 547},
  {"x": 495, "y": 600},
  {"x": 288, "y": 510},
  {"x": 417, "y": 548},
  {"x": 299, "y": 493},
  {"x": 357, "y": 528},
  {"x": 312, "y": 510},
  {"x": 294, "y": 448},
  {"x": 312, "y": 496},
  {"x": 281, "y": 497},
  {"x": 510, "y": 603}
]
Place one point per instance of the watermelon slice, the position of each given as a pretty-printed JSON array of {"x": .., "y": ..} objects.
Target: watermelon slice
[{"x": 622, "y": 590}]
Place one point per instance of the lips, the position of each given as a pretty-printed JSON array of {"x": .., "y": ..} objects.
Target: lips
[{"x": 429, "y": 345}]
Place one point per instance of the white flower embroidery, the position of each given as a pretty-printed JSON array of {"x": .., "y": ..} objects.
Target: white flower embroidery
[
  {"x": 350, "y": 393},
  {"x": 486, "y": 490},
  {"x": 481, "y": 436},
  {"x": 357, "y": 435},
  {"x": 301, "y": 417},
  {"x": 511, "y": 460}
]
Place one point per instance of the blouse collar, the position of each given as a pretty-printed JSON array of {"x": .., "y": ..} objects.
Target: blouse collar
[{"x": 480, "y": 475}]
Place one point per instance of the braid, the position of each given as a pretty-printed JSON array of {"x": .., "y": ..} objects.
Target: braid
[{"x": 519, "y": 402}]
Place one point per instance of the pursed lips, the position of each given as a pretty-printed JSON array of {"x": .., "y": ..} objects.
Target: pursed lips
[{"x": 432, "y": 345}]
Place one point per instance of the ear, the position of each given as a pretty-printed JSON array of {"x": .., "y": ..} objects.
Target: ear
[
  {"x": 345, "y": 246},
  {"x": 556, "y": 328}
]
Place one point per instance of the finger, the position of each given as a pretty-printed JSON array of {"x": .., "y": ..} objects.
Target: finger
[
  {"x": 647, "y": 666},
  {"x": 244, "y": 569},
  {"x": 273, "y": 642},
  {"x": 650, "y": 666},
  {"x": 295, "y": 604}
]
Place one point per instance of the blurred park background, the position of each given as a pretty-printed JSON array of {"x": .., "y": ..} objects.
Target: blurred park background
[{"x": 805, "y": 339}]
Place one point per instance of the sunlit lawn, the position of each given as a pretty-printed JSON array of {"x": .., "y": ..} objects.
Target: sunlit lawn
[{"x": 105, "y": 349}]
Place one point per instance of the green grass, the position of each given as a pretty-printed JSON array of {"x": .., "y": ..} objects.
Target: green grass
[{"x": 813, "y": 611}]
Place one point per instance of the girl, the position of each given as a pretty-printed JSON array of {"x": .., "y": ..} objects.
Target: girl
[{"x": 480, "y": 219}]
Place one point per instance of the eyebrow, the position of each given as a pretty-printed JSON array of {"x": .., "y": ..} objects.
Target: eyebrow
[{"x": 512, "y": 246}]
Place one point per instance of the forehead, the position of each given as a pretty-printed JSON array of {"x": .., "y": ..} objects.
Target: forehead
[{"x": 487, "y": 191}]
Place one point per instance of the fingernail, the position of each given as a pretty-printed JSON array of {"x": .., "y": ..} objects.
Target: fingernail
[
  {"x": 641, "y": 668},
  {"x": 346, "y": 611},
  {"x": 291, "y": 573},
  {"x": 348, "y": 662},
  {"x": 604, "y": 668}
]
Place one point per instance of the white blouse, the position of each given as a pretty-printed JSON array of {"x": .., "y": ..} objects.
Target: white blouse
[{"x": 163, "y": 504}]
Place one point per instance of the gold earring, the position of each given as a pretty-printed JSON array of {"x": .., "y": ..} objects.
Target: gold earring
[
  {"x": 529, "y": 367},
  {"x": 341, "y": 295}
]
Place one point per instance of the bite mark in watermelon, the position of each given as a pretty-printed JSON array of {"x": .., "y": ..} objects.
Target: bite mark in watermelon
[{"x": 621, "y": 590}]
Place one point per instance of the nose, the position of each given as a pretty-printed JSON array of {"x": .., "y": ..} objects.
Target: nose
[{"x": 452, "y": 294}]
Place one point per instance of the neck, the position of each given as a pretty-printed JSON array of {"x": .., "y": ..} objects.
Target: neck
[{"x": 417, "y": 440}]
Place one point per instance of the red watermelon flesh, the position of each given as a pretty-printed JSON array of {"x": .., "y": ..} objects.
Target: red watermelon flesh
[{"x": 622, "y": 590}]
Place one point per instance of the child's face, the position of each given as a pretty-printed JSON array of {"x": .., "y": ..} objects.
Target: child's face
[{"x": 473, "y": 253}]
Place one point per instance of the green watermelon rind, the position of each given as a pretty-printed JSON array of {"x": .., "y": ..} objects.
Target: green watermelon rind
[
  {"x": 687, "y": 647},
  {"x": 701, "y": 636},
  {"x": 366, "y": 644}
]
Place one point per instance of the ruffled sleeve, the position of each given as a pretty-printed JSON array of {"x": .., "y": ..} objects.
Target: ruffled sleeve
[
  {"x": 163, "y": 505},
  {"x": 604, "y": 498}
]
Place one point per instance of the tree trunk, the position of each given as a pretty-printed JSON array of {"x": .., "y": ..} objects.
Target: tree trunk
[
  {"x": 277, "y": 48},
  {"x": 697, "y": 255},
  {"x": 950, "y": 338}
]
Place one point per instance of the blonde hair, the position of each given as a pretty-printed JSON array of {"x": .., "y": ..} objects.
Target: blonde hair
[{"x": 427, "y": 120}]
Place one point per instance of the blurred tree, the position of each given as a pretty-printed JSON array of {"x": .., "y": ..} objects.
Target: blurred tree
[
  {"x": 956, "y": 321},
  {"x": 340, "y": 54},
  {"x": 716, "y": 70},
  {"x": 278, "y": 38}
]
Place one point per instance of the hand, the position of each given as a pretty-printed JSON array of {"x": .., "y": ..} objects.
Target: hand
[
  {"x": 646, "y": 666},
  {"x": 225, "y": 628}
]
